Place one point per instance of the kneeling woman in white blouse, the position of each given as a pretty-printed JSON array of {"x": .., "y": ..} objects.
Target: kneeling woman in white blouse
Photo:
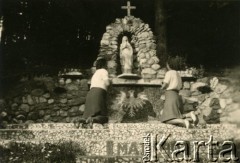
[{"x": 96, "y": 101}]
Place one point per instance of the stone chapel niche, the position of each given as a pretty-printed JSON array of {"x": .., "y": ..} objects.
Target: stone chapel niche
[
  {"x": 135, "y": 68},
  {"x": 145, "y": 62}
]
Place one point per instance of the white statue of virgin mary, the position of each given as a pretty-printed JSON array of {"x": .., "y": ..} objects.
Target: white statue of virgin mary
[{"x": 126, "y": 56}]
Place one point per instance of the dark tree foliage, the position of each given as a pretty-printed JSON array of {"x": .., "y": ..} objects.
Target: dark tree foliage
[
  {"x": 48, "y": 35},
  {"x": 52, "y": 34},
  {"x": 205, "y": 32}
]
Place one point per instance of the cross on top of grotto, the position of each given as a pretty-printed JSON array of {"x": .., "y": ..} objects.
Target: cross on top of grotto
[{"x": 128, "y": 8}]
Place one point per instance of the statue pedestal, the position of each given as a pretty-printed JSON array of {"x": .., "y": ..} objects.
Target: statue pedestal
[{"x": 129, "y": 76}]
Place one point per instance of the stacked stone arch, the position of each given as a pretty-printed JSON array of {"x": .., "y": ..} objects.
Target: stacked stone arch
[{"x": 146, "y": 62}]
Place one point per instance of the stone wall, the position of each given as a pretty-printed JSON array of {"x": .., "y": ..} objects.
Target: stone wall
[
  {"x": 44, "y": 99},
  {"x": 48, "y": 99},
  {"x": 214, "y": 100}
]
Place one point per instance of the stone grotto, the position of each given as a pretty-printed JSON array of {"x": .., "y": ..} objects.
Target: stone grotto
[{"x": 44, "y": 108}]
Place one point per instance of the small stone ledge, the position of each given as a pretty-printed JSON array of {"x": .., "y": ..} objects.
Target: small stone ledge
[
  {"x": 146, "y": 82},
  {"x": 152, "y": 82}
]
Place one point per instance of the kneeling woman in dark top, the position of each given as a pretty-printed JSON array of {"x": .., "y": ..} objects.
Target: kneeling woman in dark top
[{"x": 96, "y": 100}]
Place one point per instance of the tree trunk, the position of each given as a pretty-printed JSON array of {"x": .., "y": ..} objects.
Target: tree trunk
[
  {"x": 160, "y": 31},
  {"x": 1, "y": 29}
]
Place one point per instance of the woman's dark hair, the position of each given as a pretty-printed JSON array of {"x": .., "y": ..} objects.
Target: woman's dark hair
[
  {"x": 171, "y": 63},
  {"x": 176, "y": 63},
  {"x": 101, "y": 63}
]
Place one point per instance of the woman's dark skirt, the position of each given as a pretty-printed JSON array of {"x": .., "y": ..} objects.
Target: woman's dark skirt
[
  {"x": 173, "y": 106},
  {"x": 96, "y": 104}
]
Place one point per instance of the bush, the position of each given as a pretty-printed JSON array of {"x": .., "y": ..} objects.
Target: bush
[
  {"x": 198, "y": 72},
  {"x": 61, "y": 152}
]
